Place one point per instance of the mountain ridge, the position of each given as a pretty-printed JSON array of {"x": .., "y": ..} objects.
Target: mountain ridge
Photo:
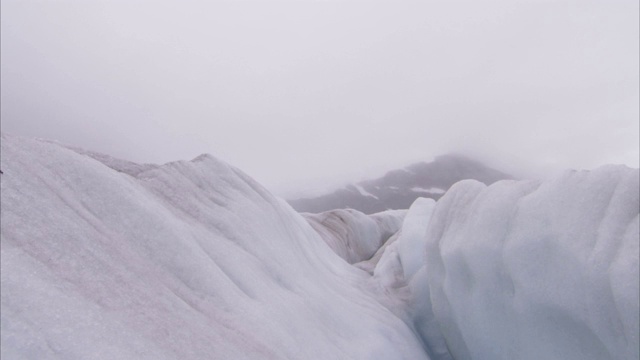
[{"x": 398, "y": 189}]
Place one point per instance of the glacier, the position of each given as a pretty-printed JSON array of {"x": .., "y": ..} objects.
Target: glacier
[
  {"x": 189, "y": 260},
  {"x": 353, "y": 235},
  {"x": 538, "y": 270},
  {"x": 103, "y": 258}
]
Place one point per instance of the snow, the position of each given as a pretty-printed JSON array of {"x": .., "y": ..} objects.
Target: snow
[
  {"x": 105, "y": 259},
  {"x": 400, "y": 269},
  {"x": 533, "y": 270},
  {"x": 411, "y": 245},
  {"x": 404, "y": 254},
  {"x": 521, "y": 269},
  {"x": 188, "y": 260},
  {"x": 431, "y": 190},
  {"x": 364, "y": 192},
  {"x": 353, "y": 235}
]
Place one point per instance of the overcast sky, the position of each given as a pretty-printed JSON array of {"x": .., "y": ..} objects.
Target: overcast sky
[{"x": 301, "y": 94}]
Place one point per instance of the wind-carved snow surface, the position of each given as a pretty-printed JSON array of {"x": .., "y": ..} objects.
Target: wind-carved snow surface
[
  {"x": 523, "y": 270},
  {"x": 189, "y": 260}
]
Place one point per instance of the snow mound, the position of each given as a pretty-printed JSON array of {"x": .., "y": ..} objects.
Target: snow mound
[
  {"x": 353, "y": 235},
  {"x": 189, "y": 260},
  {"x": 530, "y": 270}
]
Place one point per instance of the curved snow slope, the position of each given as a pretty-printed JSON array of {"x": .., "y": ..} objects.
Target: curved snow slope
[
  {"x": 189, "y": 260},
  {"x": 355, "y": 236},
  {"x": 529, "y": 270}
]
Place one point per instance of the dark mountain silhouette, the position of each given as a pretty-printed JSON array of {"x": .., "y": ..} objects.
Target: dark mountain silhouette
[{"x": 398, "y": 189}]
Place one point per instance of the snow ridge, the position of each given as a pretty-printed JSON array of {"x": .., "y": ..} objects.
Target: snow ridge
[{"x": 188, "y": 260}]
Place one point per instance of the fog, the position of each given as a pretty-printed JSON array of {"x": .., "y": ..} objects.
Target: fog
[{"x": 301, "y": 94}]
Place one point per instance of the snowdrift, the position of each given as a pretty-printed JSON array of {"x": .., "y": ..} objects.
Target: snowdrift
[{"x": 104, "y": 259}]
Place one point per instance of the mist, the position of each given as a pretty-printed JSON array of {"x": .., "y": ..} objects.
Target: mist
[{"x": 302, "y": 94}]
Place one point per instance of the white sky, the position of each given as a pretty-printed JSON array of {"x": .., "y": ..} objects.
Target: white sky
[{"x": 301, "y": 94}]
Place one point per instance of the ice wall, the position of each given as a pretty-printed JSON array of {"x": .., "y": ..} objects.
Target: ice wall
[
  {"x": 189, "y": 260},
  {"x": 530, "y": 270},
  {"x": 401, "y": 271}
]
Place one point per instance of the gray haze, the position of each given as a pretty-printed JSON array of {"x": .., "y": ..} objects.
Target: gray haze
[{"x": 302, "y": 93}]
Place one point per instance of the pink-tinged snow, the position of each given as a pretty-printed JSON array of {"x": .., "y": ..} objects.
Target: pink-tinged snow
[
  {"x": 530, "y": 270},
  {"x": 189, "y": 260}
]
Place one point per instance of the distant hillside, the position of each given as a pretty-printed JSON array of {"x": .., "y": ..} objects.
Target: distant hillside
[{"x": 398, "y": 189}]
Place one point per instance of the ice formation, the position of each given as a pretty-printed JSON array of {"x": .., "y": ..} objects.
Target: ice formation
[
  {"x": 106, "y": 259},
  {"x": 189, "y": 260},
  {"x": 355, "y": 236},
  {"x": 521, "y": 269},
  {"x": 538, "y": 270},
  {"x": 400, "y": 269}
]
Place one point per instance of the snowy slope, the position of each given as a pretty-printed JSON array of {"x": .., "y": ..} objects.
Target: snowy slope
[
  {"x": 189, "y": 260},
  {"x": 523, "y": 270}
]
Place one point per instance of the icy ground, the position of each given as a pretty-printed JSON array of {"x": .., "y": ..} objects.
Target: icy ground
[{"x": 106, "y": 259}]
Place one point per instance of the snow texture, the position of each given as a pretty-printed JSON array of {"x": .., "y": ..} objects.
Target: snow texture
[
  {"x": 188, "y": 260},
  {"x": 536, "y": 270}
]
